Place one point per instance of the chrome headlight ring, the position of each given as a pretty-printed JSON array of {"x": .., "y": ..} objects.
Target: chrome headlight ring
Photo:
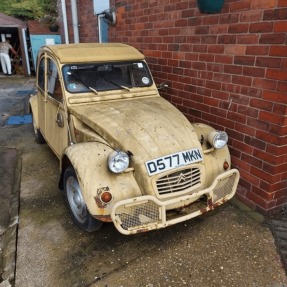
[
  {"x": 118, "y": 161},
  {"x": 218, "y": 139}
]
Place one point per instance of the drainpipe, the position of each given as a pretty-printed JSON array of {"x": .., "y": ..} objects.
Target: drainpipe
[
  {"x": 23, "y": 42},
  {"x": 75, "y": 21},
  {"x": 100, "y": 17},
  {"x": 65, "y": 21}
]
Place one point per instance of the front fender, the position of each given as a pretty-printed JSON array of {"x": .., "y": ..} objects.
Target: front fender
[
  {"x": 89, "y": 160},
  {"x": 214, "y": 159}
]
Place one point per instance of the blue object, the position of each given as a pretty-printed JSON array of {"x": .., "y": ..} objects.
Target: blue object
[
  {"x": 37, "y": 41},
  {"x": 210, "y": 6},
  {"x": 104, "y": 30},
  {"x": 25, "y": 92},
  {"x": 19, "y": 120}
]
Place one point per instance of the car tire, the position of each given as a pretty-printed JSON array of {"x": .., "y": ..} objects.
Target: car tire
[
  {"x": 38, "y": 136},
  {"x": 78, "y": 209}
]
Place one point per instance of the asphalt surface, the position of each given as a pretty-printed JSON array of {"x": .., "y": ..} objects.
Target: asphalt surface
[
  {"x": 40, "y": 246},
  {"x": 14, "y": 93}
]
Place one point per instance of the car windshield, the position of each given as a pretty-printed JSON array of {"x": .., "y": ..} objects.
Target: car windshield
[{"x": 83, "y": 78}]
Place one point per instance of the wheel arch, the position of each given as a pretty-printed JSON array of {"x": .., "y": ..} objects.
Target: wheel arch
[
  {"x": 89, "y": 160},
  {"x": 81, "y": 155},
  {"x": 65, "y": 162}
]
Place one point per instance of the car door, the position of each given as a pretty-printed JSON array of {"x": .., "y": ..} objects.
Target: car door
[
  {"x": 56, "y": 124},
  {"x": 41, "y": 95}
]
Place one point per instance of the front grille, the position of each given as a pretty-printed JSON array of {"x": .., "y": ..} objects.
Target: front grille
[
  {"x": 138, "y": 215},
  {"x": 178, "y": 181},
  {"x": 223, "y": 188}
]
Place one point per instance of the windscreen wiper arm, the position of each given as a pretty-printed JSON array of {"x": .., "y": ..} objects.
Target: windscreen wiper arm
[
  {"x": 83, "y": 82},
  {"x": 117, "y": 85}
]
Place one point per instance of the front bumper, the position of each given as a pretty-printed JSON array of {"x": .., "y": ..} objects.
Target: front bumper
[{"x": 144, "y": 213}]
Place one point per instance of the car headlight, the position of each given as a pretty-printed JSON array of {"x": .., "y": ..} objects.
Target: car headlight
[
  {"x": 217, "y": 139},
  {"x": 118, "y": 161}
]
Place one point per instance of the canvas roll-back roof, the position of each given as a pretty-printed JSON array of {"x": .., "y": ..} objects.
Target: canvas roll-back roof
[{"x": 93, "y": 52}]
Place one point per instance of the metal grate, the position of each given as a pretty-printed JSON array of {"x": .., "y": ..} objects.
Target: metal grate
[
  {"x": 137, "y": 215},
  {"x": 178, "y": 181},
  {"x": 224, "y": 187}
]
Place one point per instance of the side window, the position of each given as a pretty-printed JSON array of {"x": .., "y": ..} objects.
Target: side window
[
  {"x": 41, "y": 74},
  {"x": 54, "y": 85}
]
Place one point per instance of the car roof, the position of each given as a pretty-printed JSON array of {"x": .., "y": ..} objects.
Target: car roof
[{"x": 93, "y": 52}]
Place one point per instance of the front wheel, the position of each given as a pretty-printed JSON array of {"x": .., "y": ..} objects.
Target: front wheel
[{"x": 76, "y": 203}]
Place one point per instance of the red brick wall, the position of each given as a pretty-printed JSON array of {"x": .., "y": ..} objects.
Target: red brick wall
[{"x": 228, "y": 70}]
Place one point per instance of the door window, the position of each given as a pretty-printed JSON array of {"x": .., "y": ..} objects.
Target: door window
[
  {"x": 54, "y": 85},
  {"x": 41, "y": 74}
]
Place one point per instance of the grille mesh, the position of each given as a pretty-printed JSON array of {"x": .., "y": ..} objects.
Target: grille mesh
[
  {"x": 132, "y": 216},
  {"x": 178, "y": 181},
  {"x": 224, "y": 187}
]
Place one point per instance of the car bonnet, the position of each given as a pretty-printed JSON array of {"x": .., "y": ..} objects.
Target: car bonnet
[{"x": 148, "y": 127}]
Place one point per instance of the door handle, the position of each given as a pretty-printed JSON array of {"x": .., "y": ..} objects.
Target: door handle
[{"x": 60, "y": 120}]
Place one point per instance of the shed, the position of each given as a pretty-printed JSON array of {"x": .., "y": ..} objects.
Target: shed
[{"x": 16, "y": 30}]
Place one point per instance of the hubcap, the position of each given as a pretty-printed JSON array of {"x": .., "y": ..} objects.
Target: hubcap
[{"x": 76, "y": 200}]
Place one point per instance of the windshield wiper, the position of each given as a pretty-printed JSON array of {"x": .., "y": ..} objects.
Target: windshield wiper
[
  {"x": 83, "y": 82},
  {"x": 116, "y": 84}
]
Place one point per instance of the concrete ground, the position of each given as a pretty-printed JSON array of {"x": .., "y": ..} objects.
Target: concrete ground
[
  {"x": 13, "y": 101},
  {"x": 227, "y": 247}
]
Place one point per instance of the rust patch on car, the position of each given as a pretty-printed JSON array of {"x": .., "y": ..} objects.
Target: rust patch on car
[
  {"x": 210, "y": 203},
  {"x": 97, "y": 198},
  {"x": 220, "y": 202},
  {"x": 104, "y": 218}
]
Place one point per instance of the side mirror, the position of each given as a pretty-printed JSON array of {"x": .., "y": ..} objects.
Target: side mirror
[{"x": 162, "y": 86}]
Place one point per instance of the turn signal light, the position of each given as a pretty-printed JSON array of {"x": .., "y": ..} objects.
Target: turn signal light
[
  {"x": 226, "y": 165},
  {"x": 106, "y": 197}
]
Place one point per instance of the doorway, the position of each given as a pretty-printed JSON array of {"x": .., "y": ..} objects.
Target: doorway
[{"x": 100, "y": 8}]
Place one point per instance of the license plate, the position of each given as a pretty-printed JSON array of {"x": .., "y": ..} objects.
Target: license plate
[{"x": 172, "y": 161}]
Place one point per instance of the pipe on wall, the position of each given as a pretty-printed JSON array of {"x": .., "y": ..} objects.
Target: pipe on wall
[
  {"x": 100, "y": 16},
  {"x": 23, "y": 41},
  {"x": 65, "y": 21},
  {"x": 75, "y": 21}
]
